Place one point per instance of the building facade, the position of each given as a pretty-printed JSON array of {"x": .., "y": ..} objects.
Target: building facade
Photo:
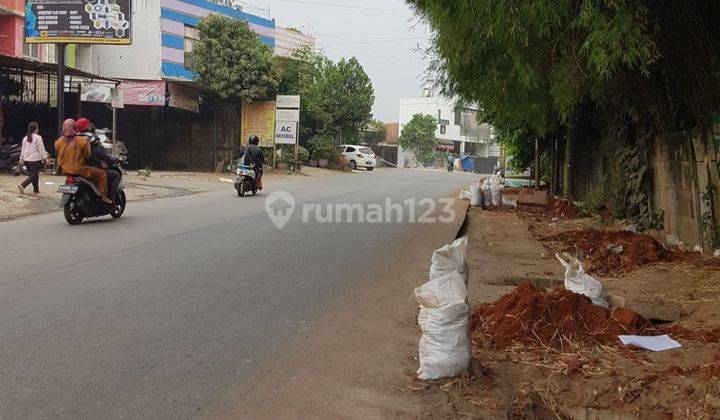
[
  {"x": 163, "y": 35},
  {"x": 287, "y": 40},
  {"x": 12, "y": 40},
  {"x": 457, "y": 130}
]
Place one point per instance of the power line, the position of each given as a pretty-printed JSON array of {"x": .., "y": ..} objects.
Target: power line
[
  {"x": 386, "y": 57},
  {"x": 376, "y": 41},
  {"x": 342, "y": 6}
]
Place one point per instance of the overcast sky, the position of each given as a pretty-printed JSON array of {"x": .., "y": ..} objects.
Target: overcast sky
[{"x": 382, "y": 34}]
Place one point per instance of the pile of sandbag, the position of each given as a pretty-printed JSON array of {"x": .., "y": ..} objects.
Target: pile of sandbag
[
  {"x": 492, "y": 189},
  {"x": 444, "y": 349}
]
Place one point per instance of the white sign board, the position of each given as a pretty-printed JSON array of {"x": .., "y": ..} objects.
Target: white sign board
[
  {"x": 285, "y": 132},
  {"x": 118, "y": 100},
  {"x": 289, "y": 115},
  {"x": 288, "y": 101}
]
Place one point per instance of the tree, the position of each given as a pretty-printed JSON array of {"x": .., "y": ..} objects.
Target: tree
[
  {"x": 334, "y": 97},
  {"x": 374, "y": 133},
  {"x": 418, "y": 135},
  {"x": 341, "y": 96},
  {"x": 230, "y": 59}
]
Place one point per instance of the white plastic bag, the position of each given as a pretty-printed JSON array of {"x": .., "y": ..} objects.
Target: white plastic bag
[
  {"x": 576, "y": 280},
  {"x": 444, "y": 349}
]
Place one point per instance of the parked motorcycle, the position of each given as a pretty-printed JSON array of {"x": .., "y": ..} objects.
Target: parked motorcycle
[
  {"x": 10, "y": 157},
  {"x": 81, "y": 198},
  {"x": 245, "y": 180}
]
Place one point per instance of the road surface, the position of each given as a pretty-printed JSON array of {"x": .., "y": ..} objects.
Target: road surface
[{"x": 166, "y": 312}]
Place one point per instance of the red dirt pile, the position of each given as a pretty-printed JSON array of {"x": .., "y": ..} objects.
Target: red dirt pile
[
  {"x": 562, "y": 209},
  {"x": 610, "y": 253},
  {"x": 532, "y": 316},
  {"x": 703, "y": 335}
]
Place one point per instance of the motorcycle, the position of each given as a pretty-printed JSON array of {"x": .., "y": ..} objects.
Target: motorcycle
[
  {"x": 245, "y": 180},
  {"x": 10, "y": 157},
  {"x": 81, "y": 198}
]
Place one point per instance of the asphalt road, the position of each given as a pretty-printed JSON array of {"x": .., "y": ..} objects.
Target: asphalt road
[{"x": 165, "y": 312}]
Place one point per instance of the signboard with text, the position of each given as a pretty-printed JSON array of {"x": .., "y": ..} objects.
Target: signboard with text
[
  {"x": 150, "y": 93},
  {"x": 285, "y": 132},
  {"x": 78, "y": 21}
]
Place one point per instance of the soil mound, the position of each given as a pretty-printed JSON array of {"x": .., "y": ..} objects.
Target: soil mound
[
  {"x": 609, "y": 253},
  {"x": 562, "y": 209},
  {"x": 533, "y": 316}
]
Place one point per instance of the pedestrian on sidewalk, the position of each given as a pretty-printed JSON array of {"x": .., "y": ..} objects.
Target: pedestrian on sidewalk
[{"x": 34, "y": 157}]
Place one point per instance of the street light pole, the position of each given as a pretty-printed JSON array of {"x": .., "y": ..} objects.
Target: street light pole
[{"x": 60, "y": 85}]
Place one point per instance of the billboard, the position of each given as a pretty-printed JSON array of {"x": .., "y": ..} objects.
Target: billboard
[
  {"x": 96, "y": 92},
  {"x": 78, "y": 21},
  {"x": 143, "y": 93},
  {"x": 258, "y": 119}
]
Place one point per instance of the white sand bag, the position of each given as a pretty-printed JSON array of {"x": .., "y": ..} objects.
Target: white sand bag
[
  {"x": 449, "y": 258},
  {"x": 444, "y": 349},
  {"x": 475, "y": 195}
]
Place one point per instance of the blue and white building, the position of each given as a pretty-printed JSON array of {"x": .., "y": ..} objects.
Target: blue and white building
[{"x": 163, "y": 35}]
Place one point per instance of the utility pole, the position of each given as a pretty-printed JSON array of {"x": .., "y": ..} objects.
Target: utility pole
[{"x": 60, "y": 85}]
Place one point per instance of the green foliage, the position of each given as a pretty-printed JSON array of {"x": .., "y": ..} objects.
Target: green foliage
[
  {"x": 323, "y": 147},
  {"x": 418, "y": 135},
  {"x": 374, "y": 133},
  {"x": 230, "y": 59},
  {"x": 334, "y": 96},
  {"x": 532, "y": 62},
  {"x": 631, "y": 200},
  {"x": 287, "y": 154},
  {"x": 341, "y": 95},
  {"x": 519, "y": 146}
]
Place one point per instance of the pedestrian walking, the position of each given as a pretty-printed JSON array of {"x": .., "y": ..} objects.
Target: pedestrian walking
[{"x": 34, "y": 157}]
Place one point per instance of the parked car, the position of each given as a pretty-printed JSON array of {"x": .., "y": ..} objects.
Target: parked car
[
  {"x": 113, "y": 147},
  {"x": 359, "y": 156}
]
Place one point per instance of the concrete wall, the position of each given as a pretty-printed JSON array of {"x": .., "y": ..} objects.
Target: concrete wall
[{"x": 675, "y": 188}]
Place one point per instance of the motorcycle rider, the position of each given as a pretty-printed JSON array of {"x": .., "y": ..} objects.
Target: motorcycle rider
[
  {"x": 72, "y": 153},
  {"x": 254, "y": 157},
  {"x": 99, "y": 157}
]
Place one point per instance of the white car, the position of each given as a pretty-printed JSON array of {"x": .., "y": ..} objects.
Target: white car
[{"x": 359, "y": 156}]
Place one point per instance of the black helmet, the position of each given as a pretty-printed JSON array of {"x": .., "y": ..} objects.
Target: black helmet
[{"x": 254, "y": 140}]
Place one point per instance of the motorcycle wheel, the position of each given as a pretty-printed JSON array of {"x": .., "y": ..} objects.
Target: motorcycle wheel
[
  {"x": 241, "y": 189},
  {"x": 72, "y": 213},
  {"x": 119, "y": 205}
]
